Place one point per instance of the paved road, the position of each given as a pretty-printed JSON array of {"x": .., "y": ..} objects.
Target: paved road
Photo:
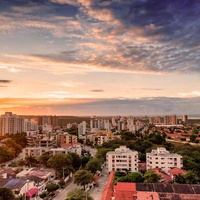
[
  {"x": 184, "y": 142},
  {"x": 20, "y": 156},
  {"x": 96, "y": 192},
  {"x": 63, "y": 193},
  {"x": 93, "y": 151}
]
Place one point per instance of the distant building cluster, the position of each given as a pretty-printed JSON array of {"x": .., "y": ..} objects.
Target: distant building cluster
[
  {"x": 13, "y": 124},
  {"x": 118, "y": 123},
  {"x": 167, "y": 120}
]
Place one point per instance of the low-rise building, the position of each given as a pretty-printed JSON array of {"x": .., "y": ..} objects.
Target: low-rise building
[
  {"x": 161, "y": 158},
  {"x": 38, "y": 151},
  {"x": 122, "y": 159},
  {"x": 65, "y": 138}
]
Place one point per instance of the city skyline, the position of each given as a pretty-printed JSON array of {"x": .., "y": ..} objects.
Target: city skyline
[{"x": 92, "y": 57}]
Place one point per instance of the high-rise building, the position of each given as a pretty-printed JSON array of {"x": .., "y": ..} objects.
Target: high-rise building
[
  {"x": 166, "y": 120},
  {"x": 173, "y": 120},
  {"x": 30, "y": 125},
  {"x": 11, "y": 124},
  {"x": 82, "y": 128},
  {"x": 184, "y": 118}
]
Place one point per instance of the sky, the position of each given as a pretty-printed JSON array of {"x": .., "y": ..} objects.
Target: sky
[{"x": 100, "y": 57}]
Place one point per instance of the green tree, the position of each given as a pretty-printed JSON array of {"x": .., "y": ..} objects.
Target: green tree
[
  {"x": 5, "y": 154},
  {"x": 76, "y": 160},
  {"x": 13, "y": 146},
  {"x": 93, "y": 165},
  {"x": 77, "y": 194},
  {"x": 51, "y": 187},
  {"x": 6, "y": 194},
  {"x": 31, "y": 161},
  {"x": 151, "y": 177},
  {"x": 131, "y": 177},
  {"x": 179, "y": 179},
  {"x": 85, "y": 160},
  {"x": 83, "y": 177},
  {"x": 190, "y": 177},
  {"x": 61, "y": 183},
  {"x": 44, "y": 158},
  {"x": 193, "y": 138},
  {"x": 61, "y": 163},
  {"x": 101, "y": 153},
  {"x": 43, "y": 195}
]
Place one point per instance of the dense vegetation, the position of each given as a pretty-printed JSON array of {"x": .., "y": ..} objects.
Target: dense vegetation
[
  {"x": 12, "y": 145},
  {"x": 144, "y": 143}
]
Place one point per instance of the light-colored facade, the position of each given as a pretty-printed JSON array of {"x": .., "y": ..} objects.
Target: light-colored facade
[
  {"x": 101, "y": 136},
  {"x": 30, "y": 125},
  {"x": 82, "y": 128},
  {"x": 38, "y": 151},
  {"x": 161, "y": 158},
  {"x": 40, "y": 140},
  {"x": 122, "y": 159},
  {"x": 11, "y": 124}
]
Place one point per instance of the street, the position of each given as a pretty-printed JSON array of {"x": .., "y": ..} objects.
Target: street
[
  {"x": 96, "y": 192},
  {"x": 63, "y": 193}
]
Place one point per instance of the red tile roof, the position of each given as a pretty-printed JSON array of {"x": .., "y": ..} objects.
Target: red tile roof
[
  {"x": 108, "y": 190},
  {"x": 125, "y": 191},
  {"x": 147, "y": 196},
  {"x": 165, "y": 177},
  {"x": 176, "y": 171}
]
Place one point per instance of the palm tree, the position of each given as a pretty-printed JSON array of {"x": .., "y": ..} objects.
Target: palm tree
[{"x": 30, "y": 160}]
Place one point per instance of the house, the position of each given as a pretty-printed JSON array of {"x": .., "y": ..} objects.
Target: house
[
  {"x": 165, "y": 177},
  {"x": 176, "y": 171}
]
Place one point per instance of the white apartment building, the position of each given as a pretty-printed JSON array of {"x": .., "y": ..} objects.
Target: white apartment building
[
  {"x": 161, "y": 158},
  {"x": 11, "y": 124},
  {"x": 122, "y": 159},
  {"x": 30, "y": 125},
  {"x": 82, "y": 128}
]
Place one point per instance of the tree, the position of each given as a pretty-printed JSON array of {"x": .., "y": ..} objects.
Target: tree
[
  {"x": 13, "y": 146},
  {"x": 151, "y": 177},
  {"x": 44, "y": 158},
  {"x": 61, "y": 163},
  {"x": 85, "y": 160},
  {"x": 193, "y": 138},
  {"x": 31, "y": 161},
  {"x": 61, "y": 183},
  {"x": 43, "y": 195},
  {"x": 101, "y": 153},
  {"x": 77, "y": 194},
  {"x": 51, "y": 187},
  {"x": 179, "y": 179},
  {"x": 76, "y": 160},
  {"x": 6, "y": 193},
  {"x": 83, "y": 177},
  {"x": 190, "y": 177},
  {"x": 131, "y": 177},
  {"x": 93, "y": 165},
  {"x": 5, "y": 154}
]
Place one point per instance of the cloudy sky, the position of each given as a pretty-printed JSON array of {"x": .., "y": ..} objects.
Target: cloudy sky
[{"x": 100, "y": 57}]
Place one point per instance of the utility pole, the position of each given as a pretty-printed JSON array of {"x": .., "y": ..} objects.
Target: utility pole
[{"x": 63, "y": 174}]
